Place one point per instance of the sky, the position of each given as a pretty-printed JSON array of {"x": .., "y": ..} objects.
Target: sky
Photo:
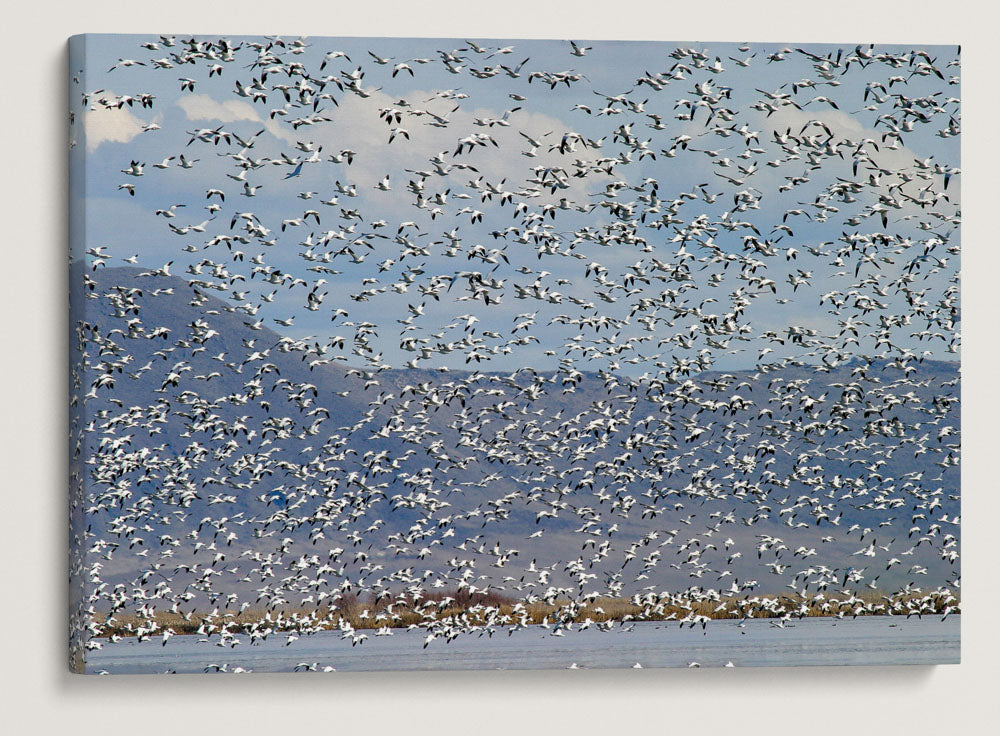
[{"x": 466, "y": 95}]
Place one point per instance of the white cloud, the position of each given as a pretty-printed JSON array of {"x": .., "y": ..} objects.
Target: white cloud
[
  {"x": 203, "y": 107},
  {"x": 114, "y": 124},
  {"x": 844, "y": 127},
  {"x": 356, "y": 124}
]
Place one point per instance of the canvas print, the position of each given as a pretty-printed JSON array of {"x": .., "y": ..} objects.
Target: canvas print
[{"x": 414, "y": 354}]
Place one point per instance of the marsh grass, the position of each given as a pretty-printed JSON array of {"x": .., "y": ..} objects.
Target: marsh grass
[{"x": 436, "y": 609}]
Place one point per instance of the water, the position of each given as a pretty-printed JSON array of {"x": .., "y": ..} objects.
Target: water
[{"x": 868, "y": 640}]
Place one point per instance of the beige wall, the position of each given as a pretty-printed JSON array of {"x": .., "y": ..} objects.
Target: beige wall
[{"x": 39, "y": 695}]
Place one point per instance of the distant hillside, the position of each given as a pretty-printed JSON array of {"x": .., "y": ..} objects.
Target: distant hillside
[{"x": 217, "y": 429}]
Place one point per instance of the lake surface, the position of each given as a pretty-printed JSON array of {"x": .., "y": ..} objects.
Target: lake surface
[{"x": 867, "y": 640}]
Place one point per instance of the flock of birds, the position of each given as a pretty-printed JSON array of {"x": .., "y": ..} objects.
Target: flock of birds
[{"x": 494, "y": 369}]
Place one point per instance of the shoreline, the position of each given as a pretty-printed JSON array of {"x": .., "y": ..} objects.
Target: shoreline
[{"x": 443, "y": 614}]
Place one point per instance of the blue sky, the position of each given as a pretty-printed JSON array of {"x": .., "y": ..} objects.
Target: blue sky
[{"x": 125, "y": 226}]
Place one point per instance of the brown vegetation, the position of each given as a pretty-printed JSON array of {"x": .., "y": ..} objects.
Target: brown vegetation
[{"x": 435, "y": 609}]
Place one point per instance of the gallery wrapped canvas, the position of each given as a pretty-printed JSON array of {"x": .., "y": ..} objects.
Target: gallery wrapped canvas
[{"x": 407, "y": 353}]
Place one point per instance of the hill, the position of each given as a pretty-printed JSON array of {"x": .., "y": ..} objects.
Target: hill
[{"x": 233, "y": 456}]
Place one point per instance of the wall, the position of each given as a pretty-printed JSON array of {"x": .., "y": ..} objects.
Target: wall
[{"x": 36, "y": 687}]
